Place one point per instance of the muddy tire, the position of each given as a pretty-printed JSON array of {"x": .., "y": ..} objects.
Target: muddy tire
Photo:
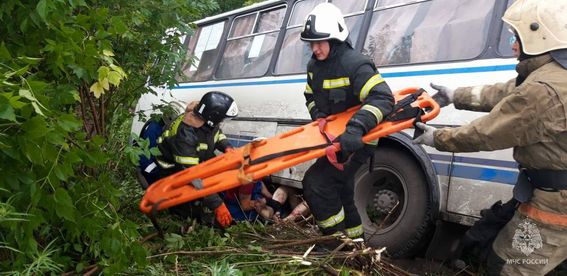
[{"x": 394, "y": 203}]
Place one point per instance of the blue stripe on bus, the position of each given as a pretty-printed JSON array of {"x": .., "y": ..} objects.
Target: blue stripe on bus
[
  {"x": 476, "y": 173},
  {"x": 464, "y": 70},
  {"x": 473, "y": 160},
  {"x": 231, "y": 84}
]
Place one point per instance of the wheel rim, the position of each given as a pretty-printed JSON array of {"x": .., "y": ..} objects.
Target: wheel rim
[{"x": 380, "y": 199}]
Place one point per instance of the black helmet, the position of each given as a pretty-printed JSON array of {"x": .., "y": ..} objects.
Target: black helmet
[{"x": 214, "y": 107}]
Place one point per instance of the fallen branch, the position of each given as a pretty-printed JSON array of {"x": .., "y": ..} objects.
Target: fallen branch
[{"x": 195, "y": 253}]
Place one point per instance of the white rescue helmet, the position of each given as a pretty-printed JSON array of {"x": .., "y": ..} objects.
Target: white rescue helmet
[
  {"x": 324, "y": 22},
  {"x": 540, "y": 24}
]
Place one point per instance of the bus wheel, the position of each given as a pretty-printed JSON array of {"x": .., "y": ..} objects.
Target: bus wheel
[{"x": 394, "y": 204}]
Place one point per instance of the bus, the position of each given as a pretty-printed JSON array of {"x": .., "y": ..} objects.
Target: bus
[{"x": 255, "y": 55}]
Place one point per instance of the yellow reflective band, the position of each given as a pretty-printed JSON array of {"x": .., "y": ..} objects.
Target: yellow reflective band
[
  {"x": 172, "y": 130},
  {"x": 310, "y": 105},
  {"x": 219, "y": 136},
  {"x": 159, "y": 140},
  {"x": 202, "y": 146},
  {"x": 374, "y": 110},
  {"x": 308, "y": 89},
  {"x": 333, "y": 220},
  {"x": 186, "y": 160},
  {"x": 354, "y": 232},
  {"x": 373, "y": 81},
  {"x": 373, "y": 142},
  {"x": 164, "y": 165},
  {"x": 310, "y": 74},
  {"x": 341, "y": 82}
]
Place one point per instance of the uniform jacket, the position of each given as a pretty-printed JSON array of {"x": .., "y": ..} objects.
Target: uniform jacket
[
  {"x": 482, "y": 98},
  {"x": 345, "y": 79},
  {"x": 183, "y": 146},
  {"x": 530, "y": 117}
]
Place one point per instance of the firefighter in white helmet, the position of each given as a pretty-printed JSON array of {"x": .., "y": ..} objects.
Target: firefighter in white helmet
[
  {"x": 339, "y": 77},
  {"x": 531, "y": 117}
]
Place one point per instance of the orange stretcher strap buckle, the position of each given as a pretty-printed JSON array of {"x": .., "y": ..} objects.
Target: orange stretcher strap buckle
[{"x": 532, "y": 212}]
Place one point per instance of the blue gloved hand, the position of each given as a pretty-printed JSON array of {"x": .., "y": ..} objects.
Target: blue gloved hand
[{"x": 351, "y": 139}]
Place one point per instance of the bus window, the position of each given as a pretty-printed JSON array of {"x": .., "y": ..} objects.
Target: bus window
[
  {"x": 295, "y": 53},
  {"x": 300, "y": 11},
  {"x": 348, "y": 7},
  {"x": 506, "y": 39},
  {"x": 242, "y": 25},
  {"x": 203, "y": 48},
  {"x": 250, "y": 47},
  {"x": 440, "y": 30},
  {"x": 390, "y": 3}
]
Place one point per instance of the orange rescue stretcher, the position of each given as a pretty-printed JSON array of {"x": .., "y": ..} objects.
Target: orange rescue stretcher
[{"x": 264, "y": 157}]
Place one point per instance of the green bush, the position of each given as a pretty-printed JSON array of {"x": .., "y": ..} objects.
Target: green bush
[{"x": 70, "y": 72}]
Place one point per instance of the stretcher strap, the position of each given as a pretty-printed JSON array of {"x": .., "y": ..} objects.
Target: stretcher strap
[
  {"x": 244, "y": 178},
  {"x": 332, "y": 148},
  {"x": 328, "y": 137},
  {"x": 403, "y": 111}
]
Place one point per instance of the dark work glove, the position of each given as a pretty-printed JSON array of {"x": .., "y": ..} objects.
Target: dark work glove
[
  {"x": 444, "y": 95},
  {"x": 316, "y": 114},
  {"x": 351, "y": 139}
]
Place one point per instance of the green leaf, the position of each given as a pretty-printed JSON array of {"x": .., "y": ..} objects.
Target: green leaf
[
  {"x": 108, "y": 53},
  {"x": 118, "y": 69},
  {"x": 97, "y": 89},
  {"x": 6, "y": 110},
  {"x": 77, "y": 247},
  {"x": 155, "y": 151},
  {"x": 30, "y": 60},
  {"x": 64, "y": 207},
  {"x": 15, "y": 103},
  {"x": 69, "y": 122},
  {"x": 27, "y": 94},
  {"x": 4, "y": 53},
  {"x": 35, "y": 193},
  {"x": 37, "y": 86},
  {"x": 59, "y": 173},
  {"x": 37, "y": 108},
  {"x": 118, "y": 25},
  {"x": 35, "y": 127},
  {"x": 18, "y": 72},
  {"x": 114, "y": 78},
  {"x": 33, "y": 152},
  {"x": 103, "y": 72},
  {"x": 35, "y": 103},
  {"x": 104, "y": 83},
  {"x": 98, "y": 140},
  {"x": 79, "y": 71},
  {"x": 42, "y": 9}
]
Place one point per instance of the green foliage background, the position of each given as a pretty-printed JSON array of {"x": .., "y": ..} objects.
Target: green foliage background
[{"x": 70, "y": 74}]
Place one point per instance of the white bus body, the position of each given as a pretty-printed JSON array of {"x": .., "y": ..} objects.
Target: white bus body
[{"x": 254, "y": 55}]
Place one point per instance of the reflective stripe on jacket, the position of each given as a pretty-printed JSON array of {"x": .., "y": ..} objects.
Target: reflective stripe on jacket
[{"x": 345, "y": 79}]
